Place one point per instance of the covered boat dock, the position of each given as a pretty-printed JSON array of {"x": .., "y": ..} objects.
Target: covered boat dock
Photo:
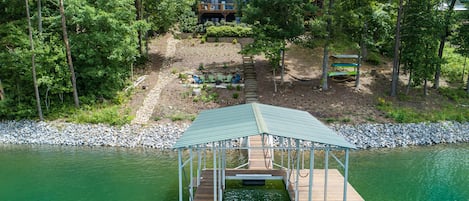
[{"x": 286, "y": 136}]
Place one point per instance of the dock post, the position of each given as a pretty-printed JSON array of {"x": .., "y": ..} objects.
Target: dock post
[
  {"x": 311, "y": 168},
  {"x": 191, "y": 185},
  {"x": 180, "y": 173},
  {"x": 199, "y": 165},
  {"x": 297, "y": 192},
  {"x": 346, "y": 173},
  {"x": 214, "y": 172},
  {"x": 326, "y": 167}
]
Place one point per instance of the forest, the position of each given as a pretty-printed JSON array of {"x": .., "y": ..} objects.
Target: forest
[{"x": 57, "y": 56}]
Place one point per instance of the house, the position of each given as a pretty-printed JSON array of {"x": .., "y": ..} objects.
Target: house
[{"x": 216, "y": 10}]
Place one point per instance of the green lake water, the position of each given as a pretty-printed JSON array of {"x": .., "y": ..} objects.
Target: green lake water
[{"x": 55, "y": 173}]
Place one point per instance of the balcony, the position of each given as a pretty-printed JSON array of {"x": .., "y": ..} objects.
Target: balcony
[{"x": 222, "y": 8}]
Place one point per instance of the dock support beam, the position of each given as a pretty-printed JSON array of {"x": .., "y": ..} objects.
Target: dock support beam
[
  {"x": 180, "y": 173},
  {"x": 311, "y": 168},
  {"x": 326, "y": 168},
  {"x": 214, "y": 172},
  {"x": 297, "y": 180},
  {"x": 346, "y": 174}
]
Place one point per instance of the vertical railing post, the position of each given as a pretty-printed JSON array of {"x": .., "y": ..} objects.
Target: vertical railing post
[
  {"x": 214, "y": 172},
  {"x": 311, "y": 169},
  {"x": 297, "y": 179},
  {"x": 180, "y": 173},
  {"x": 346, "y": 173},
  {"x": 191, "y": 187},
  {"x": 199, "y": 165},
  {"x": 326, "y": 171}
]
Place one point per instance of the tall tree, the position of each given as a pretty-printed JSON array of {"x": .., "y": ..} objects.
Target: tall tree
[
  {"x": 461, "y": 39},
  {"x": 69, "y": 53},
  {"x": 39, "y": 16},
  {"x": 325, "y": 61},
  {"x": 33, "y": 64},
  {"x": 275, "y": 21},
  {"x": 420, "y": 39},
  {"x": 397, "y": 42},
  {"x": 446, "y": 32}
]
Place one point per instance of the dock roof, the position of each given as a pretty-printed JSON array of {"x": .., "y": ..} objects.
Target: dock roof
[{"x": 245, "y": 120}]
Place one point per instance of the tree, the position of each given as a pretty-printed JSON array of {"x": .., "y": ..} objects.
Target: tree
[
  {"x": 461, "y": 40},
  {"x": 39, "y": 16},
  {"x": 445, "y": 33},
  {"x": 69, "y": 53},
  {"x": 274, "y": 22},
  {"x": 397, "y": 39},
  {"x": 325, "y": 61},
  {"x": 420, "y": 36},
  {"x": 33, "y": 64}
]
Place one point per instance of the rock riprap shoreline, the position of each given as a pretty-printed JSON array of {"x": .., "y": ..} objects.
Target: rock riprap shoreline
[
  {"x": 30, "y": 132},
  {"x": 401, "y": 135},
  {"x": 164, "y": 136}
]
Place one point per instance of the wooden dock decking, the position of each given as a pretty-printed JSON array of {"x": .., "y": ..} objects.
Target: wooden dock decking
[
  {"x": 334, "y": 187},
  {"x": 259, "y": 159},
  {"x": 205, "y": 191}
]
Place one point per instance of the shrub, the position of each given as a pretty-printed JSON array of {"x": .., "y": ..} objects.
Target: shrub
[
  {"x": 235, "y": 41},
  {"x": 229, "y": 31},
  {"x": 373, "y": 58},
  {"x": 235, "y": 95}
]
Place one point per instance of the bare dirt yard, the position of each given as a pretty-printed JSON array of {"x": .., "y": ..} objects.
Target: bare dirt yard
[{"x": 341, "y": 103}]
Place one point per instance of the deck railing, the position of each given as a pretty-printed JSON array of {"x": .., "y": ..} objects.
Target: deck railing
[{"x": 217, "y": 7}]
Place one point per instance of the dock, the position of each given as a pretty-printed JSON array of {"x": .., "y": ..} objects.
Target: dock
[{"x": 334, "y": 187}]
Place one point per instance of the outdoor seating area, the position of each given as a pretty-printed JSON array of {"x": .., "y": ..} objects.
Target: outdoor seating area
[{"x": 217, "y": 74}]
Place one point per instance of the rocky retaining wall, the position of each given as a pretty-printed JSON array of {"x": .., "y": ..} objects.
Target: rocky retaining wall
[{"x": 164, "y": 136}]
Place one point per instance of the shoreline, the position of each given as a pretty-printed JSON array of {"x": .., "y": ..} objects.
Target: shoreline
[{"x": 164, "y": 135}]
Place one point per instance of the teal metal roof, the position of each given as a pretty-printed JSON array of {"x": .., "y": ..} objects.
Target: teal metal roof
[{"x": 253, "y": 119}]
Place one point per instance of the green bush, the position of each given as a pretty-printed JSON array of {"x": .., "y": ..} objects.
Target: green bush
[
  {"x": 108, "y": 115},
  {"x": 229, "y": 31},
  {"x": 235, "y": 95},
  {"x": 374, "y": 58}
]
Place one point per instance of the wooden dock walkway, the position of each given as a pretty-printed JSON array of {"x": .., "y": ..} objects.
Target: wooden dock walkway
[
  {"x": 205, "y": 191},
  {"x": 335, "y": 186},
  {"x": 259, "y": 159}
]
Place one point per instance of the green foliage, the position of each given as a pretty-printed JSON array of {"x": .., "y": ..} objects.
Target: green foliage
[
  {"x": 402, "y": 114},
  {"x": 112, "y": 115},
  {"x": 181, "y": 117},
  {"x": 420, "y": 39},
  {"x": 103, "y": 38},
  {"x": 188, "y": 22},
  {"x": 229, "y": 31},
  {"x": 457, "y": 95},
  {"x": 235, "y": 95},
  {"x": 374, "y": 58},
  {"x": 163, "y": 14},
  {"x": 454, "y": 66}
]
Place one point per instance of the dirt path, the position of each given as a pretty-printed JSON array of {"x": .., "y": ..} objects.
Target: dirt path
[{"x": 157, "y": 79}]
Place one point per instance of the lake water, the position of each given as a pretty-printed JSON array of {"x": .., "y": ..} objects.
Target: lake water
[{"x": 55, "y": 173}]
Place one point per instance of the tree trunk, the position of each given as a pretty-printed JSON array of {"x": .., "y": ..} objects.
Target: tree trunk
[
  {"x": 436, "y": 83},
  {"x": 275, "y": 83},
  {"x": 409, "y": 83},
  {"x": 425, "y": 88},
  {"x": 283, "y": 65},
  {"x": 395, "y": 67},
  {"x": 467, "y": 86},
  {"x": 39, "y": 16},
  {"x": 138, "y": 7},
  {"x": 69, "y": 54},
  {"x": 325, "y": 59},
  {"x": 33, "y": 64}
]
